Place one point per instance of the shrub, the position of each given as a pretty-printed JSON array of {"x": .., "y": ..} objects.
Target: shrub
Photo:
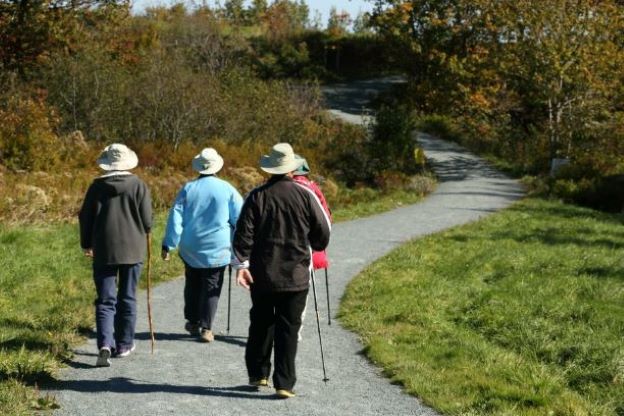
[
  {"x": 439, "y": 125},
  {"x": 27, "y": 139},
  {"x": 392, "y": 145}
]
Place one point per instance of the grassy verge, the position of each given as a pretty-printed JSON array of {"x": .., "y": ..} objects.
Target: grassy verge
[
  {"x": 46, "y": 306},
  {"x": 369, "y": 202},
  {"x": 521, "y": 313},
  {"x": 47, "y": 295}
]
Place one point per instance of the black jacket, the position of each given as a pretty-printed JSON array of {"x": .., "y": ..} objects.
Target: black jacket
[
  {"x": 115, "y": 216},
  {"x": 279, "y": 225}
]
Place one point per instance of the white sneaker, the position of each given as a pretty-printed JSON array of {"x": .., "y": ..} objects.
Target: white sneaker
[
  {"x": 124, "y": 352},
  {"x": 103, "y": 359}
]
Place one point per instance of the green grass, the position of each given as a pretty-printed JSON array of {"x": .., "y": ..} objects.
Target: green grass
[
  {"x": 521, "y": 313},
  {"x": 46, "y": 300},
  {"x": 366, "y": 202}
]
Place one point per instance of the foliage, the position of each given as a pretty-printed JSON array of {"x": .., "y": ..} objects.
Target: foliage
[
  {"x": 392, "y": 144},
  {"x": 523, "y": 80},
  {"x": 520, "y": 313},
  {"x": 27, "y": 139}
]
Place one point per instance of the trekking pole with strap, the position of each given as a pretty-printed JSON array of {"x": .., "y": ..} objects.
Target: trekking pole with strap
[
  {"x": 318, "y": 326},
  {"x": 149, "y": 288},
  {"x": 229, "y": 297},
  {"x": 327, "y": 289}
]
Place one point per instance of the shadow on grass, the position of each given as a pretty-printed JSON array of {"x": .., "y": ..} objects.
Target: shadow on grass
[
  {"x": 133, "y": 386},
  {"x": 28, "y": 342}
]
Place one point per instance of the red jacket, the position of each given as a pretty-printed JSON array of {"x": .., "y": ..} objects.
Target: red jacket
[{"x": 319, "y": 258}]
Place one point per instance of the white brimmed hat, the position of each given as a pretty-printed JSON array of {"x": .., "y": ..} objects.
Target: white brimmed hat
[
  {"x": 280, "y": 161},
  {"x": 208, "y": 162},
  {"x": 117, "y": 156}
]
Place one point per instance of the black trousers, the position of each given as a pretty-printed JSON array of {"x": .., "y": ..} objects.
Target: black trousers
[
  {"x": 202, "y": 289},
  {"x": 275, "y": 321}
]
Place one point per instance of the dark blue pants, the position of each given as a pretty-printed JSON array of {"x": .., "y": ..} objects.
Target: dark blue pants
[
  {"x": 202, "y": 289},
  {"x": 115, "y": 309}
]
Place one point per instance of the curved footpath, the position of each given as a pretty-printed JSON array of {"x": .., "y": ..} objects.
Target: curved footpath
[{"x": 185, "y": 377}]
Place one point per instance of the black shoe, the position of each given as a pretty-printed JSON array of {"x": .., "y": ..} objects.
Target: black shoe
[{"x": 192, "y": 328}]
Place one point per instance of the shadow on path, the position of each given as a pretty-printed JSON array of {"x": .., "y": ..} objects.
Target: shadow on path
[
  {"x": 355, "y": 97},
  {"x": 132, "y": 386}
]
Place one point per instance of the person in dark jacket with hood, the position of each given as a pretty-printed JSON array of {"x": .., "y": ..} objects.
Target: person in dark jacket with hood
[
  {"x": 281, "y": 222},
  {"x": 115, "y": 218}
]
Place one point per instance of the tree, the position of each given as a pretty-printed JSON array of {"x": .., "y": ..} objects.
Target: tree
[
  {"x": 526, "y": 79},
  {"x": 257, "y": 10},
  {"x": 234, "y": 10},
  {"x": 338, "y": 22},
  {"x": 31, "y": 29}
]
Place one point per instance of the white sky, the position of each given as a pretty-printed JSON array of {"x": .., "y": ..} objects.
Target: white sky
[{"x": 353, "y": 7}]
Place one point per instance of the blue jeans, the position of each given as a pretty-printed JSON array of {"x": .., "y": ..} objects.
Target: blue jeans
[{"x": 115, "y": 309}]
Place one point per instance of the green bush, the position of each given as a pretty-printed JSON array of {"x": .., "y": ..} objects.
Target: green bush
[{"x": 392, "y": 145}]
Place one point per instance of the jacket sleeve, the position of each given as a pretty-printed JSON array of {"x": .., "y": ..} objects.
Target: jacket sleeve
[
  {"x": 234, "y": 206},
  {"x": 321, "y": 197},
  {"x": 320, "y": 224},
  {"x": 86, "y": 217},
  {"x": 244, "y": 234},
  {"x": 174, "y": 229},
  {"x": 145, "y": 208}
]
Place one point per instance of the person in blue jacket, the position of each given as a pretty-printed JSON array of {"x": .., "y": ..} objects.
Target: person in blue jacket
[{"x": 201, "y": 225}]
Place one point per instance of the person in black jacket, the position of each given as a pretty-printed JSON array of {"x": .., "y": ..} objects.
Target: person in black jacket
[
  {"x": 114, "y": 219},
  {"x": 281, "y": 222}
]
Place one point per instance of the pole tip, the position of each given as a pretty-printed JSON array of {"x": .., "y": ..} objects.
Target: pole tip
[{"x": 325, "y": 380}]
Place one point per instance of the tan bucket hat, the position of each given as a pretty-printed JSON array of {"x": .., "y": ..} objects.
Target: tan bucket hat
[
  {"x": 208, "y": 162},
  {"x": 281, "y": 160},
  {"x": 117, "y": 156}
]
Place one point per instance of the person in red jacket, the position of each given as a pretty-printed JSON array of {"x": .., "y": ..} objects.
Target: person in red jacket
[{"x": 319, "y": 258}]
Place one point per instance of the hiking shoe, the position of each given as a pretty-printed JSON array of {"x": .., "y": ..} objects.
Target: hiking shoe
[
  {"x": 192, "y": 328},
  {"x": 103, "y": 359},
  {"x": 206, "y": 335},
  {"x": 284, "y": 393},
  {"x": 259, "y": 382},
  {"x": 124, "y": 352}
]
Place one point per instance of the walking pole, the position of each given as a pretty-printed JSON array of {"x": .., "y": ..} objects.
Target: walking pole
[
  {"x": 229, "y": 297},
  {"x": 327, "y": 288},
  {"x": 149, "y": 288},
  {"x": 318, "y": 326}
]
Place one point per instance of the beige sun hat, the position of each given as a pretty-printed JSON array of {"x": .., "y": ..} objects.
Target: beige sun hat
[
  {"x": 208, "y": 162},
  {"x": 281, "y": 160},
  {"x": 117, "y": 156}
]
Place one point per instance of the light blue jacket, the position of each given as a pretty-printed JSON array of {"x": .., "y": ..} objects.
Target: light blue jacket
[{"x": 202, "y": 220}]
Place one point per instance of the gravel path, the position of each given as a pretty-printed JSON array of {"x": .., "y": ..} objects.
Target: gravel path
[{"x": 185, "y": 377}]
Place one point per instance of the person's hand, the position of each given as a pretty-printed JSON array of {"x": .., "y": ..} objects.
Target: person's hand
[
  {"x": 165, "y": 255},
  {"x": 88, "y": 252},
  {"x": 244, "y": 278}
]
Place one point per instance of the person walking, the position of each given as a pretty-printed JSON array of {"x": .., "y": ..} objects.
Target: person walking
[
  {"x": 301, "y": 175},
  {"x": 115, "y": 217},
  {"x": 280, "y": 224},
  {"x": 200, "y": 225}
]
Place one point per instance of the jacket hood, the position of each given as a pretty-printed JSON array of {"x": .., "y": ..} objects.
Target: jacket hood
[{"x": 117, "y": 184}]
